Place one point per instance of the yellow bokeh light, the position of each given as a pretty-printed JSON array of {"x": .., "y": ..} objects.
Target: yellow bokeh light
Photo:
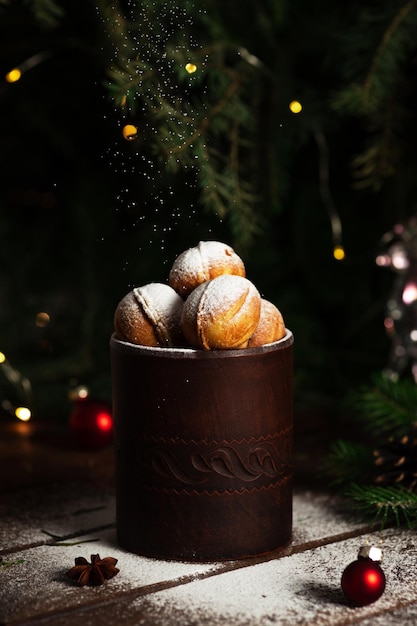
[
  {"x": 130, "y": 132},
  {"x": 14, "y": 75},
  {"x": 295, "y": 106},
  {"x": 191, "y": 68},
  {"x": 2, "y": 357},
  {"x": 339, "y": 253},
  {"x": 23, "y": 413}
]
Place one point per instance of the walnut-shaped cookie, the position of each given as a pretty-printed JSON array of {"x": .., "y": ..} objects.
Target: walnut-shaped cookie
[
  {"x": 221, "y": 314},
  {"x": 271, "y": 326},
  {"x": 150, "y": 316},
  {"x": 201, "y": 263}
]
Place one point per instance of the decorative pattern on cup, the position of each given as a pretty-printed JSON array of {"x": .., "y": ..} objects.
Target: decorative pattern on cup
[{"x": 215, "y": 467}]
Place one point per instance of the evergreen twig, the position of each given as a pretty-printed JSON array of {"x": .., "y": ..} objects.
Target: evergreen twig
[
  {"x": 386, "y": 504},
  {"x": 376, "y": 74},
  {"x": 201, "y": 123},
  {"x": 47, "y": 12},
  {"x": 388, "y": 39},
  {"x": 387, "y": 407},
  {"x": 5, "y": 564},
  {"x": 386, "y": 411},
  {"x": 347, "y": 462}
]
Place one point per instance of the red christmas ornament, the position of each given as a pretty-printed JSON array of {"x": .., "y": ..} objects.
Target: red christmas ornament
[
  {"x": 363, "y": 581},
  {"x": 91, "y": 423}
]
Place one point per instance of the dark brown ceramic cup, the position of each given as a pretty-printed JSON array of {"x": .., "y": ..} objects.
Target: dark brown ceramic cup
[{"x": 203, "y": 450}]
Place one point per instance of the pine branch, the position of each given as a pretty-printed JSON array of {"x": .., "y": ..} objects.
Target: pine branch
[
  {"x": 202, "y": 127},
  {"x": 47, "y": 12},
  {"x": 386, "y": 504},
  {"x": 393, "y": 38},
  {"x": 381, "y": 479},
  {"x": 387, "y": 408},
  {"x": 348, "y": 463},
  {"x": 376, "y": 92},
  {"x": 227, "y": 195},
  {"x": 372, "y": 85},
  {"x": 201, "y": 122},
  {"x": 375, "y": 164}
]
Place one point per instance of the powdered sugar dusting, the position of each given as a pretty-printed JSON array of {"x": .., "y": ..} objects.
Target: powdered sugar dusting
[
  {"x": 188, "y": 270},
  {"x": 39, "y": 583},
  {"x": 224, "y": 294},
  {"x": 159, "y": 302},
  {"x": 262, "y": 594},
  {"x": 271, "y": 325},
  {"x": 163, "y": 307},
  {"x": 301, "y": 589},
  {"x": 202, "y": 263},
  {"x": 126, "y": 313},
  {"x": 229, "y": 312},
  {"x": 221, "y": 313}
]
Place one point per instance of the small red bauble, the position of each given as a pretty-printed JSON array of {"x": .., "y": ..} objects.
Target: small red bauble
[
  {"x": 91, "y": 423},
  {"x": 363, "y": 581}
]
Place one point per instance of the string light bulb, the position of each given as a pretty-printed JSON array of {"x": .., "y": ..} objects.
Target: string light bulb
[
  {"x": 19, "y": 386},
  {"x": 295, "y": 106},
  {"x": 339, "y": 253},
  {"x": 23, "y": 413},
  {"x": 14, "y": 75},
  {"x": 130, "y": 132},
  {"x": 191, "y": 68}
]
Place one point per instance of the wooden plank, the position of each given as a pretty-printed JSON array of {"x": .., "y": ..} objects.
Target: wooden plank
[
  {"x": 35, "y": 583},
  {"x": 38, "y": 571},
  {"x": 35, "y": 516},
  {"x": 302, "y": 588}
]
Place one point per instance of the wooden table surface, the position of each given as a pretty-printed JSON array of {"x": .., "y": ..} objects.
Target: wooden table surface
[{"x": 57, "y": 502}]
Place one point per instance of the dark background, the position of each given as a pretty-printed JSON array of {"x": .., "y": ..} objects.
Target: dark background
[{"x": 71, "y": 246}]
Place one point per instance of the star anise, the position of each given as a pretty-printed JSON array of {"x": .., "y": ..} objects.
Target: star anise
[{"x": 94, "y": 573}]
